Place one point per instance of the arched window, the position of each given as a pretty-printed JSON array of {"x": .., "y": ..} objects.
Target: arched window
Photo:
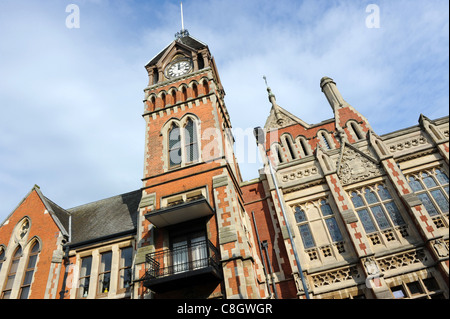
[
  {"x": 12, "y": 273},
  {"x": 356, "y": 131},
  {"x": 184, "y": 93},
  {"x": 205, "y": 87},
  {"x": 2, "y": 256},
  {"x": 325, "y": 139},
  {"x": 326, "y": 240},
  {"x": 183, "y": 142},
  {"x": 29, "y": 271},
  {"x": 290, "y": 146},
  {"x": 152, "y": 103},
  {"x": 174, "y": 146},
  {"x": 305, "y": 149},
  {"x": 174, "y": 97},
  {"x": 190, "y": 141},
  {"x": 163, "y": 99},
  {"x": 195, "y": 90}
]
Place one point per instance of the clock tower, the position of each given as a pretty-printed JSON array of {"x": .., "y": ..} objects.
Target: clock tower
[{"x": 193, "y": 232}]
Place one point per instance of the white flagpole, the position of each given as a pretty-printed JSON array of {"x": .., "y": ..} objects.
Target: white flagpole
[{"x": 182, "y": 23}]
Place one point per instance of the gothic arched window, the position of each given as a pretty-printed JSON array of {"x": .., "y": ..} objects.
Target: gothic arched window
[
  {"x": 174, "y": 146},
  {"x": 190, "y": 141},
  {"x": 12, "y": 273},
  {"x": 29, "y": 271},
  {"x": 183, "y": 142}
]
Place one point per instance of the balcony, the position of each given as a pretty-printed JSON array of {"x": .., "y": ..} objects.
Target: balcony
[
  {"x": 182, "y": 266},
  {"x": 179, "y": 212}
]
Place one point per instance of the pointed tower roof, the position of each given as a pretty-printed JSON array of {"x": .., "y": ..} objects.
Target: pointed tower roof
[{"x": 278, "y": 116}]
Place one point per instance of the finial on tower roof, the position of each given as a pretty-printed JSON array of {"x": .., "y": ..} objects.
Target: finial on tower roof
[{"x": 183, "y": 33}]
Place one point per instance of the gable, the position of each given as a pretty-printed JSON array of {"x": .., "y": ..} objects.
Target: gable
[{"x": 354, "y": 165}]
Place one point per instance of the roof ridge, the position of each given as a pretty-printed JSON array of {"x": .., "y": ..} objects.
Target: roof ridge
[{"x": 102, "y": 200}]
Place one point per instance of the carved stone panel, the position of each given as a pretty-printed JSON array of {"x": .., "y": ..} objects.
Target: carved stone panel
[{"x": 355, "y": 167}]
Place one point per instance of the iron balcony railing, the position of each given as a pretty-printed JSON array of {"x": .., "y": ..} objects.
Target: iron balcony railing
[{"x": 183, "y": 258}]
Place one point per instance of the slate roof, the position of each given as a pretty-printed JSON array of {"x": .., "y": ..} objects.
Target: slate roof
[
  {"x": 187, "y": 40},
  {"x": 105, "y": 217}
]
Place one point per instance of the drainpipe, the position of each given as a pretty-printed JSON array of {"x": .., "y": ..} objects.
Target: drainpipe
[
  {"x": 265, "y": 245},
  {"x": 261, "y": 254},
  {"x": 259, "y": 134}
]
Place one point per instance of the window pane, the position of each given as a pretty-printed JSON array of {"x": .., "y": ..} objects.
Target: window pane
[
  {"x": 415, "y": 184},
  {"x": 431, "y": 284},
  {"x": 394, "y": 214},
  {"x": 414, "y": 288},
  {"x": 7, "y": 294},
  {"x": 35, "y": 248},
  {"x": 440, "y": 200},
  {"x": 380, "y": 217},
  {"x": 333, "y": 228},
  {"x": 383, "y": 193},
  {"x": 299, "y": 215},
  {"x": 307, "y": 238},
  {"x": 9, "y": 282},
  {"x": 126, "y": 257},
  {"x": 370, "y": 197},
  {"x": 86, "y": 266},
  {"x": 426, "y": 201},
  {"x": 174, "y": 146},
  {"x": 366, "y": 221},
  {"x": 83, "y": 288},
  {"x": 24, "y": 292},
  {"x": 28, "y": 278},
  {"x": 106, "y": 262},
  {"x": 428, "y": 181},
  {"x": 103, "y": 284},
  {"x": 442, "y": 178},
  {"x": 32, "y": 261},
  {"x": 14, "y": 265},
  {"x": 398, "y": 292},
  {"x": 125, "y": 278},
  {"x": 326, "y": 209},
  {"x": 357, "y": 201}
]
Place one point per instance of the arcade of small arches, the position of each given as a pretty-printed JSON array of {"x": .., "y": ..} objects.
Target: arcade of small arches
[
  {"x": 289, "y": 149},
  {"x": 175, "y": 95}
]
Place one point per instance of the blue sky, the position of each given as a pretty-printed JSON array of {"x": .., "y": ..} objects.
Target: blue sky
[{"x": 71, "y": 99}]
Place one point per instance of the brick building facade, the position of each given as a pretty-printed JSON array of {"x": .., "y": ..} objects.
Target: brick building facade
[{"x": 367, "y": 214}]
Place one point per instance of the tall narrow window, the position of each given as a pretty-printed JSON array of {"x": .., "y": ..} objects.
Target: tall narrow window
[
  {"x": 184, "y": 93},
  {"x": 174, "y": 146},
  {"x": 29, "y": 271},
  {"x": 12, "y": 273},
  {"x": 356, "y": 131},
  {"x": 85, "y": 276},
  {"x": 190, "y": 141},
  {"x": 104, "y": 275},
  {"x": 174, "y": 97},
  {"x": 2, "y": 256},
  {"x": 195, "y": 90},
  {"x": 325, "y": 141},
  {"x": 163, "y": 100},
  {"x": 290, "y": 147},
  {"x": 304, "y": 146},
  {"x": 205, "y": 87},
  {"x": 126, "y": 259}
]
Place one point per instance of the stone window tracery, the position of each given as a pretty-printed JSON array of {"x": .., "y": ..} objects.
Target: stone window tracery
[
  {"x": 432, "y": 188},
  {"x": 378, "y": 213},
  {"x": 319, "y": 231}
]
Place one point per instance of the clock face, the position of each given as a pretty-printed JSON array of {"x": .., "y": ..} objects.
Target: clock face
[{"x": 178, "y": 68}]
